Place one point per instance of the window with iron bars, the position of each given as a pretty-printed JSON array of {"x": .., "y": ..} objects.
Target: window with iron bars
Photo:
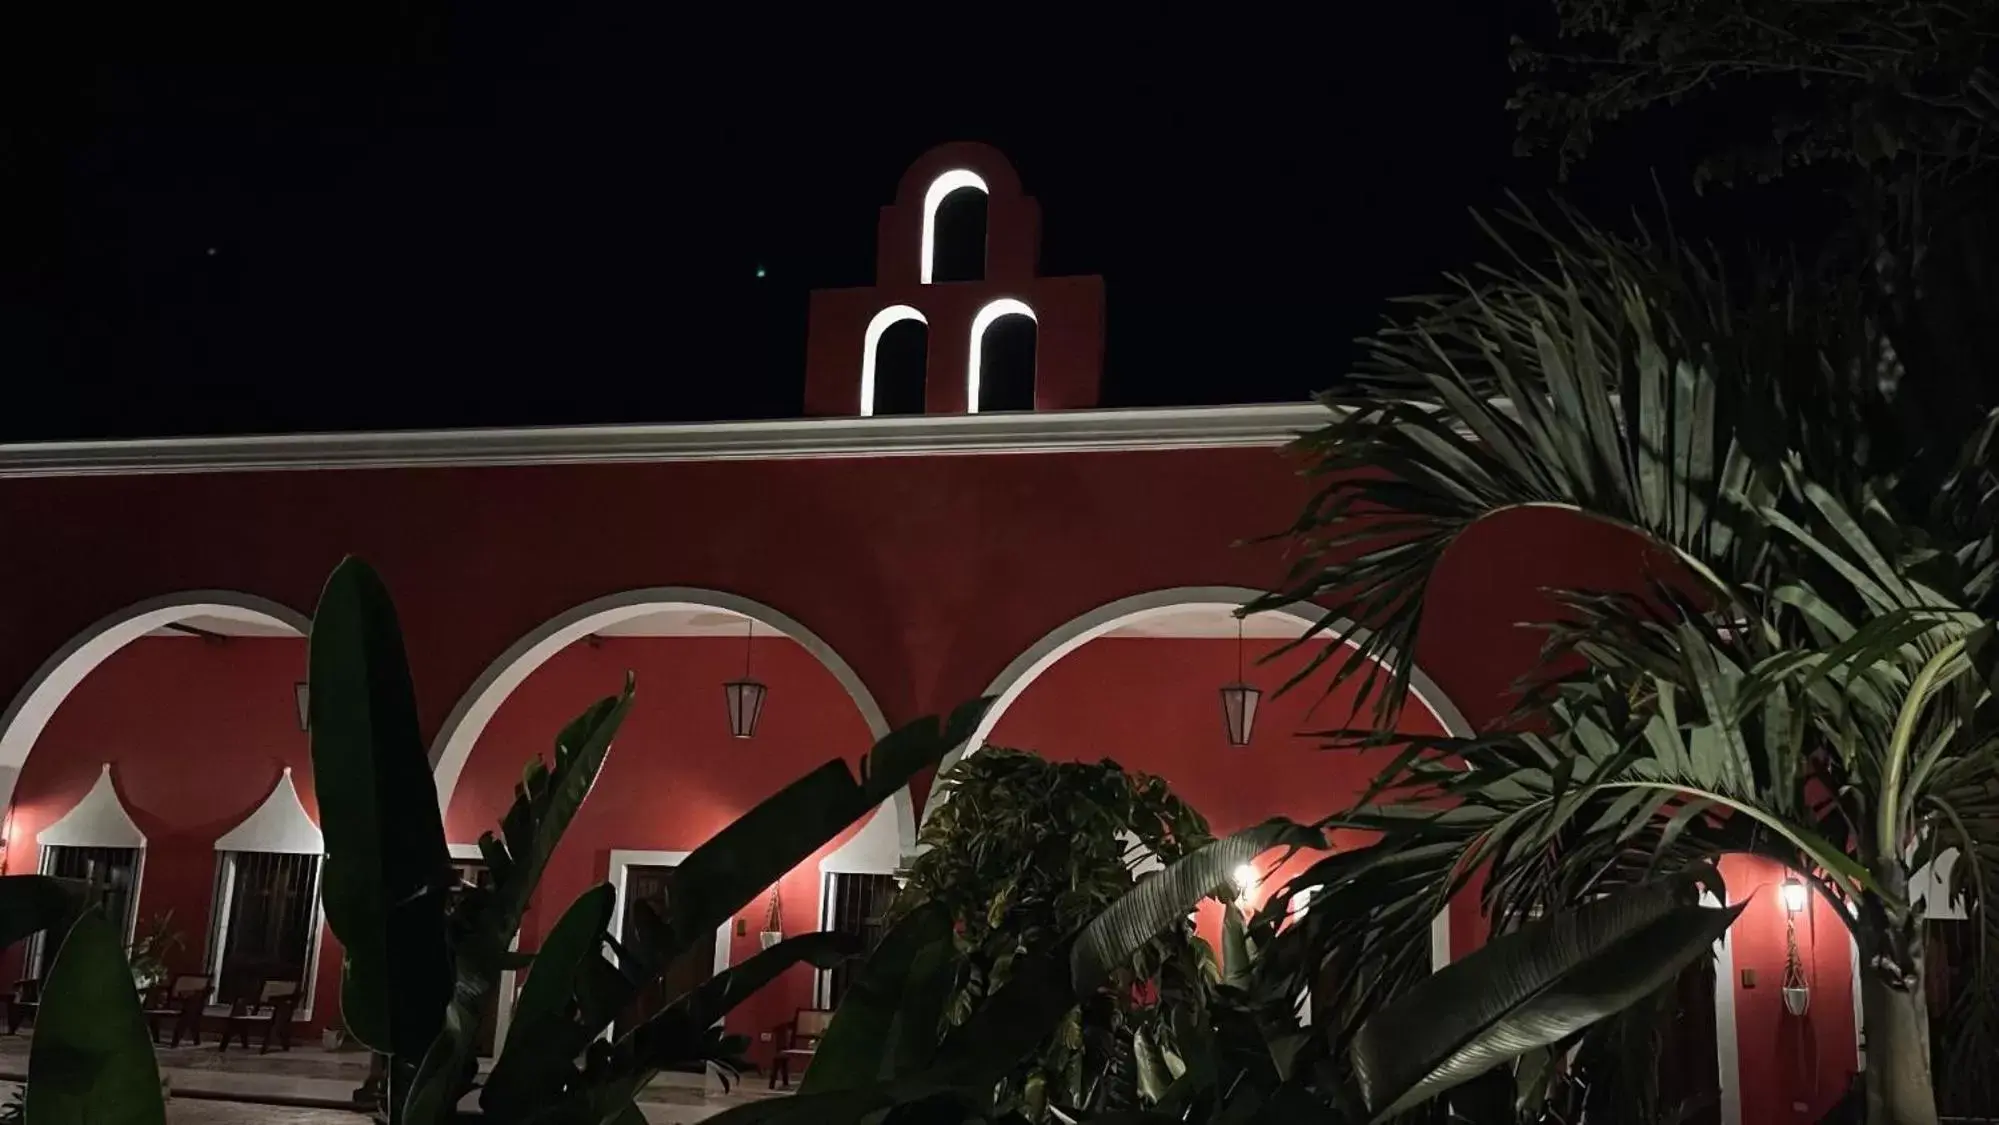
[
  {"x": 265, "y": 925},
  {"x": 113, "y": 877},
  {"x": 856, "y": 904}
]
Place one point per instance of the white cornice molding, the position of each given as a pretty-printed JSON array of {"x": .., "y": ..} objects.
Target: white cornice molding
[{"x": 1078, "y": 431}]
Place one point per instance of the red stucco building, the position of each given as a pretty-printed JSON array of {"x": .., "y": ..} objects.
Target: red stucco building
[{"x": 999, "y": 535}]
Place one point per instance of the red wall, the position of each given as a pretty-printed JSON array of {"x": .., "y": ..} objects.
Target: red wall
[
  {"x": 1152, "y": 705},
  {"x": 197, "y": 734},
  {"x": 1793, "y": 1067},
  {"x": 674, "y": 777},
  {"x": 928, "y": 574}
]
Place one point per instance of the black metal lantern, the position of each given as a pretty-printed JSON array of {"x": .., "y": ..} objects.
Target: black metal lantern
[
  {"x": 302, "y": 692},
  {"x": 1239, "y": 700},
  {"x": 745, "y": 697}
]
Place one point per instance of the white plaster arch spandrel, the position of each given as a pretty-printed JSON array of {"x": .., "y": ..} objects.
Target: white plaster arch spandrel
[
  {"x": 37, "y": 700},
  {"x": 475, "y": 709}
]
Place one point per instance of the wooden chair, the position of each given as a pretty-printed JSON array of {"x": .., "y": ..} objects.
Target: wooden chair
[
  {"x": 796, "y": 1041},
  {"x": 23, "y": 1003},
  {"x": 273, "y": 1006},
  {"x": 182, "y": 1001}
]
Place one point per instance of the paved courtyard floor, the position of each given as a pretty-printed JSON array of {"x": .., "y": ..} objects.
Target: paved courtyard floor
[{"x": 313, "y": 1086}]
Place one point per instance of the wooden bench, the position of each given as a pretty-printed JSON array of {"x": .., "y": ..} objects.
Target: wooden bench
[
  {"x": 797, "y": 1040},
  {"x": 22, "y": 1004},
  {"x": 182, "y": 1003},
  {"x": 272, "y": 1007}
]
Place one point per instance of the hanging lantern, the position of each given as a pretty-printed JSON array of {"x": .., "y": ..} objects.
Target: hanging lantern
[
  {"x": 1239, "y": 700},
  {"x": 745, "y": 697},
  {"x": 302, "y": 694}
]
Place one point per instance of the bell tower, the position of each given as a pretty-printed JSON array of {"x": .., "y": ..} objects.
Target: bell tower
[{"x": 958, "y": 320}]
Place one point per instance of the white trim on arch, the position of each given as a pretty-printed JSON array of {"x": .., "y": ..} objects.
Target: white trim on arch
[
  {"x": 32, "y": 707},
  {"x": 476, "y": 708},
  {"x": 871, "y": 343},
  {"x": 1078, "y": 631},
  {"x": 983, "y": 320},
  {"x": 933, "y": 198}
]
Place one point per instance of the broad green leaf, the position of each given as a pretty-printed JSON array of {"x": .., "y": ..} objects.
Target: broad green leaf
[
  {"x": 543, "y": 1040},
  {"x": 1528, "y": 989},
  {"x": 898, "y": 984},
  {"x": 1166, "y": 896},
  {"x": 749, "y": 855},
  {"x": 91, "y": 1062},
  {"x": 386, "y": 863},
  {"x": 30, "y": 904}
]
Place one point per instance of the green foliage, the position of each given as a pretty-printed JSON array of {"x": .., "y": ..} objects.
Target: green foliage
[
  {"x": 380, "y": 814},
  {"x": 1843, "y": 723},
  {"x": 92, "y": 1058},
  {"x": 1881, "y": 84},
  {"x": 1026, "y": 852},
  {"x": 150, "y": 950},
  {"x": 30, "y": 904}
]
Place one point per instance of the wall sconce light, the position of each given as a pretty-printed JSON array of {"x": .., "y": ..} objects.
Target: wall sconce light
[
  {"x": 302, "y": 694},
  {"x": 1797, "y": 994},
  {"x": 1794, "y": 895},
  {"x": 745, "y": 697},
  {"x": 1239, "y": 700},
  {"x": 1246, "y": 879}
]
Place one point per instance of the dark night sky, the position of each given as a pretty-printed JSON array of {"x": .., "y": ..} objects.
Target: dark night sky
[{"x": 517, "y": 216}]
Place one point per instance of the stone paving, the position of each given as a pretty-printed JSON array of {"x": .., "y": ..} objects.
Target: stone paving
[{"x": 313, "y": 1086}]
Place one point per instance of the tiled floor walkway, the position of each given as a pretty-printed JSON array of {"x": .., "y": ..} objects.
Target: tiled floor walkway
[{"x": 311, "y": 1086}]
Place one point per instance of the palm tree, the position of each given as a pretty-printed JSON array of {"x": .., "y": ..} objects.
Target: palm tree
[{"x": 1811, "y": 681}]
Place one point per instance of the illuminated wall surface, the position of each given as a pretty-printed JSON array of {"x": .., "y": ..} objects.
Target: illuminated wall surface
[{"x": 928, "y": 575}]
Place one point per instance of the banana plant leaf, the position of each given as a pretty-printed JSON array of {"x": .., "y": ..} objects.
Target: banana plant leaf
[
  {"x": 541, "y": 1015},
  {"x": 30, "y": 904},
  {"x": 752, "y": 853},
  {"x": 686, "y": 1029},
  {"x": 546, "y": 801},
  {"x": 892, "y": 1012},
  {"x": 1158, "y": 901},
  {"x": 386, "y": 866},
  {"x": 1531, "y": 988},
  {"x": 712, "y": 884},
  {"x": 92, "y": 1058}
]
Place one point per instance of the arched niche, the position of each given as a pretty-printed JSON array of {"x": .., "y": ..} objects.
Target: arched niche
[
  {"x": 894, "y": 362},
  {"x": 999, "y": 371},
  {"x": 954, "y": 205}
]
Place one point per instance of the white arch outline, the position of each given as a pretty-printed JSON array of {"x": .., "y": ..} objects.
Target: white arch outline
[
  {"x": 1004, "y": 306},
  {"x": 1078, "y": 631},
  {"x": 453, "y": 745},
  {"x": 933, "y": 198},
  {"x": 28, "y": 714},
  {"x": 884, "y": 320}
]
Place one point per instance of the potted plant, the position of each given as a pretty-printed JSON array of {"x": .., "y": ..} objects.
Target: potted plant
[
  {"x": 773, "y": 931},
  {"x": 150, "y": 950}
]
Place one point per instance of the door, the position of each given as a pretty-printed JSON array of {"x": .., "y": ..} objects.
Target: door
[
  {"x": 652, "y": 885},
  {"x": 473, "y": 873},
  {"x": 1689, "y": 1073}
]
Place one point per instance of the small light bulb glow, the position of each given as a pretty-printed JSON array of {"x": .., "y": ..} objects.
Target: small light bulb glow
[
  {"x": 1793, "y": 894},
  {"x": 1245, "y": 879}
]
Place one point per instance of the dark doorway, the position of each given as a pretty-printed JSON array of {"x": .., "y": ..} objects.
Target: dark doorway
[
  {"x": 1006, "y": 364},
  {"x": 653, "y": 886},
  {"x": 1689, "y": 1073},
  {"x": 859, "y": 907},
  {"x": 902, "y": 358},
  {"x": 474, "y": 875},
  {"x": 958, "y": 239}
]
